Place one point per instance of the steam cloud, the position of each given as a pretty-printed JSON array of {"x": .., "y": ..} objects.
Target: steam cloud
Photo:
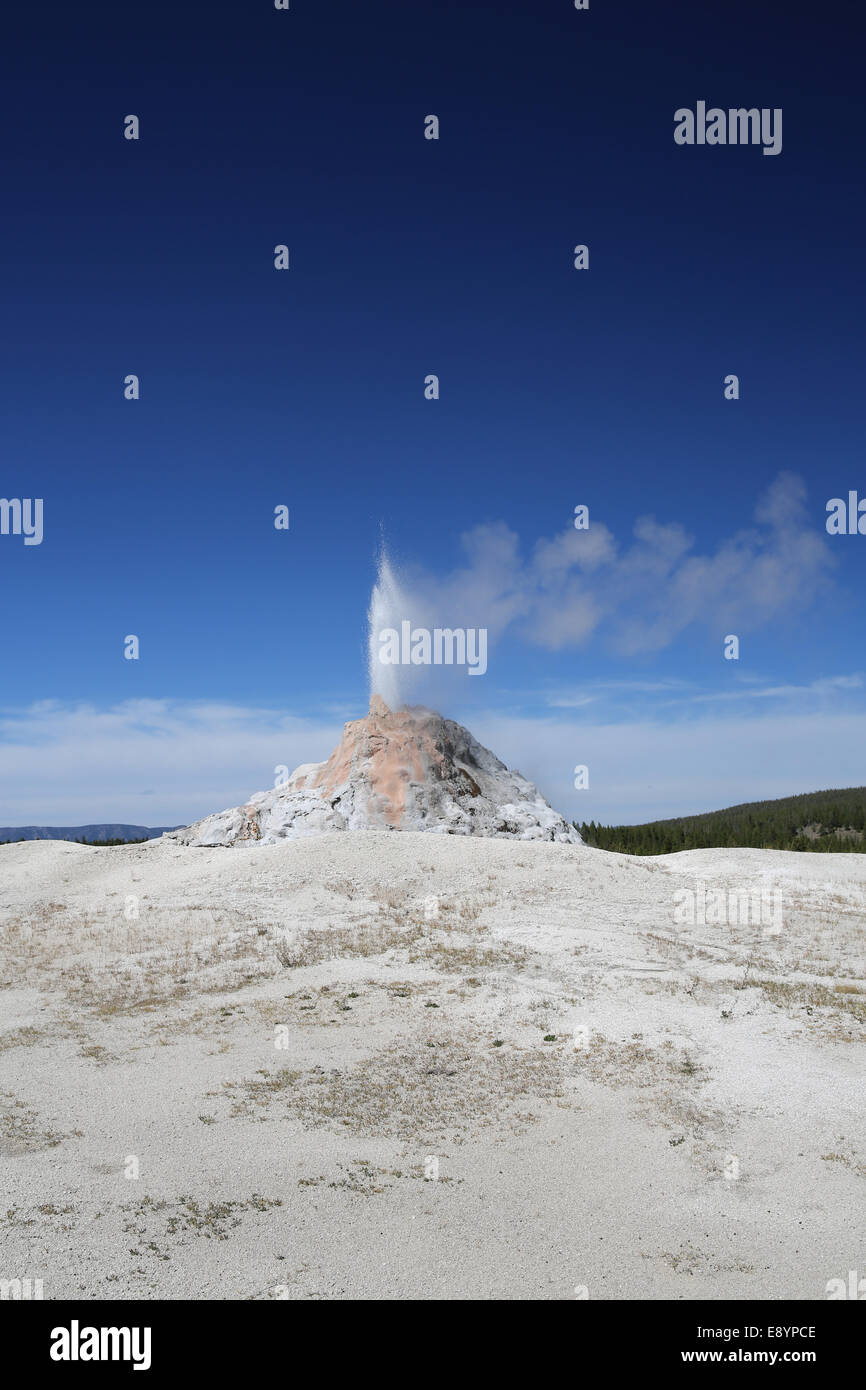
[{"x": 640, "y": 595}]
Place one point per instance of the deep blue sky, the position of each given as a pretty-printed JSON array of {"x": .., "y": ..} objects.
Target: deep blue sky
[{"x": 409, "y": 256}]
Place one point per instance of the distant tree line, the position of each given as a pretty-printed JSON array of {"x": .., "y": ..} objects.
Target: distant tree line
[
  {"x": 82, "y": 841},
  {"x": 79, "y": 841},
  {"x": 829, "y": 822}
]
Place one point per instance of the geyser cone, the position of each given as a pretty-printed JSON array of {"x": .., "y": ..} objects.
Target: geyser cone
[{"x": 406, "y": 769}]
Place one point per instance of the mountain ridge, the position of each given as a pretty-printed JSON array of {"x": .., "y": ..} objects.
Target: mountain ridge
[{"x": 99, "y": 831}]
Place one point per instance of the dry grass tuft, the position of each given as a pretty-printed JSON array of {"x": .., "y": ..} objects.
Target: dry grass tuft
[
  {"x": 20, "y": 1131},
  {"x": 421, "y": 1089}
]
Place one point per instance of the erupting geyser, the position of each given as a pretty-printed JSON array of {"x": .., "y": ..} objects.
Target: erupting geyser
[
  {"x": 388, "y": 607},
  {"x": 408, "y": 769},
  {"x": 400, "y": 768}
]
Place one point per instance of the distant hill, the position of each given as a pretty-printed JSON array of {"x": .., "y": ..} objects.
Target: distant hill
[
  {"x": 117, "y": 833},
  {"x": 831, "y": 821}
]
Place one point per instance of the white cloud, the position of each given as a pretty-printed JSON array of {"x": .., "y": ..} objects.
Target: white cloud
[
  {"x": 648, "y": 770},
  {"x": 145, "y": 762}
]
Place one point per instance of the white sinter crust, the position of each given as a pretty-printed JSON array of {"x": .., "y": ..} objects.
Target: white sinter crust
[{"x": 408, "y": 769}]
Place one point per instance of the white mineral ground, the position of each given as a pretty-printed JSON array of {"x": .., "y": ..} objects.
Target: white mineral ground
[{"x": 344, "y": 1066}]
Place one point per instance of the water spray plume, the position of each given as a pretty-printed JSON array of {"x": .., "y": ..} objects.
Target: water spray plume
[{"x": 389, "y": 605}]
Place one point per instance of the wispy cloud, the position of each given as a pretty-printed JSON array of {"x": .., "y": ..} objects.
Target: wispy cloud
[
  {"x": 588, "y": 694},
  {"x": 673, "y": 695},
  {"x": 158, "y": 762},
  {"x": 647, "y": 770},
  {"x": 825, "y": 686},
  {"x": 151, "y": 762}
]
